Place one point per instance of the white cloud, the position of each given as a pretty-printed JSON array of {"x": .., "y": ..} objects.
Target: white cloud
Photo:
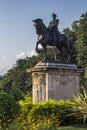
[
  {"x": 4, "y": 58},
  {"x": 3, "y": 71},
  {"x": 4, "y": 65},
  {"x": 21, "y": 55},
  {"x": 31, "y": 53}
]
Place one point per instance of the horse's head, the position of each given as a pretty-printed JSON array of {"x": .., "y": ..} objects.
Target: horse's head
[
  {"x": 37, "y": 22},
  {"x": 39, "y": 25}
]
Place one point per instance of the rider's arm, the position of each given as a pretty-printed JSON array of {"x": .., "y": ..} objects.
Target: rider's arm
[{"x": 55, "y": 23}]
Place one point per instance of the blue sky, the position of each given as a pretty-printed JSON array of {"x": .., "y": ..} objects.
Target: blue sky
[{"x": 17, "y": 34}]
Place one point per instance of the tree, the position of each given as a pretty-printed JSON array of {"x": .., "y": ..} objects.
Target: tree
[
  {"x": 72, "y": 37},
  {"x": 78, "y": 34},
  {"x": 80, "y": 29},
  {"x": 17, "y": 77}
]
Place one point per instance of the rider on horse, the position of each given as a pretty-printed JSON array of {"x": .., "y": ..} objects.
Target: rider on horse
[
  {"x": 53, "y": 28},
  {"x": 52, "y": 37}
]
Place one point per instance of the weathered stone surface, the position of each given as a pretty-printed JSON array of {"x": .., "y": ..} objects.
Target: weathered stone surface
[{"x": 54, "y": 81}]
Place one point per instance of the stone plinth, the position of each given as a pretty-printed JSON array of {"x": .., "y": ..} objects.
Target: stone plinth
[{"x": 54, "y": 81}]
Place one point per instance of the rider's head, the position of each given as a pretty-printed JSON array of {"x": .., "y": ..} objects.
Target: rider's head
[{"x": 54, "y": 15}]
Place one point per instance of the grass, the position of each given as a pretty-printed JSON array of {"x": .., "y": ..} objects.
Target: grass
[
  {"x": 71, "y": 128},
  {"x": 60, "y": 128}
]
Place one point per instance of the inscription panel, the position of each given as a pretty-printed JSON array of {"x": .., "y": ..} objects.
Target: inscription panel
[
  {"x": 39, "y": 87},
  {"x": 62, "y": 86}
]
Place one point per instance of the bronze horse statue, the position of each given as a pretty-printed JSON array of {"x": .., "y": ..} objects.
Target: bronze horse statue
[{"x": 45, "y": 38}]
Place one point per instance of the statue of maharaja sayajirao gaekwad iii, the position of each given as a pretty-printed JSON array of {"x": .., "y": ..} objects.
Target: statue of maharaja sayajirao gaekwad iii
[{"x": 52, "y": 37}]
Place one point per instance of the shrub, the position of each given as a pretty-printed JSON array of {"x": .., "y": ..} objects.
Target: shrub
[
  {"x": 17, "y": 93},
  {"x": 79, "y": 109},
  {"x": 26, "y": 105},
  {"x": 8, "y": 108},
  {"x": 58, "y": 110},
  {"x": 44, "y": 115}
]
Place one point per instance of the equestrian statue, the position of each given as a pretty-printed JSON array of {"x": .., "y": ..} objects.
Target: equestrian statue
[{"x": 50, "y": 36}]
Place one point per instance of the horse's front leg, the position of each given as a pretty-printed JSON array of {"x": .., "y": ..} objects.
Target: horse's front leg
[{"x": 37, "y": 47}]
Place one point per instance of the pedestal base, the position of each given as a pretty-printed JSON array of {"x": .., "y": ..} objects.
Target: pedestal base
[{"x": 54, "y": 81}]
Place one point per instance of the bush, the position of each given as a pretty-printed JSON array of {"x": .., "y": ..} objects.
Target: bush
[
  {"x": 17, "y": 93},
  {"x": 47, "y": 114},
  {"x": 8, "y": 108},
  {"x": 26, "y": 105},
  {"x": 79, "y": 109},
  {"x": 57, "y": 111},
  {"x": 44, "y": 115}
]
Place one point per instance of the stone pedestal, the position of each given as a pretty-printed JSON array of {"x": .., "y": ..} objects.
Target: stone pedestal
[{"x": 54, "y": 81}]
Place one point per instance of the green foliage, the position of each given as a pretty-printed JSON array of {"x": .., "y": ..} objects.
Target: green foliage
[
  {"x": 79, "y": 109},
  {"x": 17, "y": 93},
  {"x": 78, "y": 34},
  {"x": 80, "y": 29},
  {"x": 58, "y": 109},
  {"x": 8, "y": 107},
  {"x": 17, "y": 77},
  {"x": 48, "y": 115},
  {"x": 72, "y": 36},
  {"x": 31, "y": 115},
  {"x": 16, "y": 126},
  {"x": 26, "y": 105}
]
